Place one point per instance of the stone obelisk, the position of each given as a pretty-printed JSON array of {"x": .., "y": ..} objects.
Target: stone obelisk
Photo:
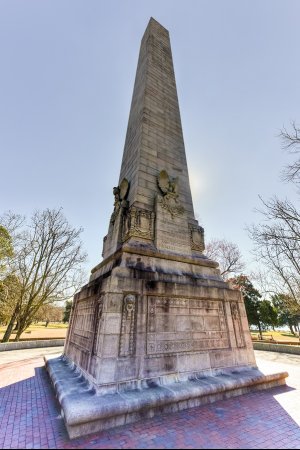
[
  {"x": 161, "y": 209},
  {"x": 156, "y": 329}
]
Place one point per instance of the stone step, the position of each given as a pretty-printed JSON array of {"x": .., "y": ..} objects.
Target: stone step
[{"x": 86, "y": 412}]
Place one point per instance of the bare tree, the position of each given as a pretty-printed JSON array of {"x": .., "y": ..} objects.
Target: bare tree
[
  {"x": 277, "y": 238},
  {"x": 47, "y": 262},
  {"x": 10, "y": 288},
  {"x": 277, "y": 246},
  {"x": 6, "y": 250},
  {"x": 227, "y": 254},
  {"x": 291, "y": 143},
  {"x": 49, "y": 313}
]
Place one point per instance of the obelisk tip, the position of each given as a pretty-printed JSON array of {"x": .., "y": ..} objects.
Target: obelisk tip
[{"x": 154, "y": 26}]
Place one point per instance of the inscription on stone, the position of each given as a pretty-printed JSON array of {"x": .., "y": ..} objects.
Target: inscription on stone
[
  {"x": 173, "y": 235},
  {"x": 185, "y": 325},
  {"x": 165, "y": 240},
  {"x": 83, "y": 329}
]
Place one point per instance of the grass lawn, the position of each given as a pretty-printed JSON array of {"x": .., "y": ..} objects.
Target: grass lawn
[
  {"x": 277, "y": 335},
  {"x": 39, "y": 331},
  {"x": 59, "y": 330}
]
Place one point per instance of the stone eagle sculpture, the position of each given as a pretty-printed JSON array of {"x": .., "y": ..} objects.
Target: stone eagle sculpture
[
  {"x": 169, "y": 189},
  {"x": 166, "y": 184}
]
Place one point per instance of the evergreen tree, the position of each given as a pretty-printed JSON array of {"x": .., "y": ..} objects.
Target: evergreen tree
[
  {"x": 67, "y": 311},
  {"x": 268, "y": 314},
  {"x": 252, "y": 299}
]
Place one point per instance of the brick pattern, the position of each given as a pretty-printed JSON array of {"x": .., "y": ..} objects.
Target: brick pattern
[{"x": 30, "y": 418}]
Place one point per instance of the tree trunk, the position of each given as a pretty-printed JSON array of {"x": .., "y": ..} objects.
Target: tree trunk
[
  {"x": 23, "y": 325},
  {"x": 9, "y": 330},
  {"x": 260, "y": 333},
  {"x": 18, "y": 335},
  {"x": 22, "y": 328},
  {"x": 10, "y": 326},
  {"x": 291, "y": 328}
]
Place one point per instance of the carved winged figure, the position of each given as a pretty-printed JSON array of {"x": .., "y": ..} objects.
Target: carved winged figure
[{"x": 120, "y": 194}]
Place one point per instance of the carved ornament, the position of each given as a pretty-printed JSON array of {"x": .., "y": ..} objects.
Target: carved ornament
[
  {"x": 237, "y": 324},
  {"x": 169, "y": 189},
  {"x": 98, "y": 315},
  {"x": 138, "y": 223},
  {"x": 197, "y": 238},
  {"x": 127, "y": 337},
  {"x": 120, "y": 194}
]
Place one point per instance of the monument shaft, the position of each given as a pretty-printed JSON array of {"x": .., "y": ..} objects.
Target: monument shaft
[
  {"x": 154, "y": 143},
  {"x": 156, "y": 311},
  {"x": 154, "y": 138}
]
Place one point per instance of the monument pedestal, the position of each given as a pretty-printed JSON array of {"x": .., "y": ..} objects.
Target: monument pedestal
[
  {"x": 145, "y": 316},
  {"x": 153, "y": 333}
]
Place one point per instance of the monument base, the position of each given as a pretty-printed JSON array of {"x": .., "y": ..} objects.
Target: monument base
[
  {"x": 153, "y": 332},
  {"x": 84, "y": 411}
]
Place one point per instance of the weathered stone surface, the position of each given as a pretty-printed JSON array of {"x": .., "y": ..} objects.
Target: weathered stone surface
[
  {"x": 86, "y": 412},
  {"x": 156, "y": 312},
  {"x": 154, "y": 161}
]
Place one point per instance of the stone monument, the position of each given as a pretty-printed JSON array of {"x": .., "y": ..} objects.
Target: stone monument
[{"x": 156, "y": 329}]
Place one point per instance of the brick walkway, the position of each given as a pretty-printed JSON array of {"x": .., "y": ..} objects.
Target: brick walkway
[{"x": 30, "y": 416}]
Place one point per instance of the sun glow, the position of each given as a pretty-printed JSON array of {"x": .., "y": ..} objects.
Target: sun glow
[{"x": 198, "y": 184}]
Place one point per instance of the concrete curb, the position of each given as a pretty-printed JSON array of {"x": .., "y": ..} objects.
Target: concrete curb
[
  {"x": 280, "y": 348},
  {"x": 31, "y": 344}
]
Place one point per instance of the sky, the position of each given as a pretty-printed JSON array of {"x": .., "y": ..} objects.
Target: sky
[{"x": 66, "y": 81}]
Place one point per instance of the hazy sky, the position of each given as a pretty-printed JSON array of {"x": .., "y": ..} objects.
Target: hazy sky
[{"x": 66, "y": 80}]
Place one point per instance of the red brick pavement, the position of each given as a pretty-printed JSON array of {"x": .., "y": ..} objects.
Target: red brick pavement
[{"x": 30, "y": 418}]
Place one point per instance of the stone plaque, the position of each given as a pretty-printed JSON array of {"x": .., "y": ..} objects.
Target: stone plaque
[
  {"x": 171, "y": 233},
  {"x": 185, "y": 325},
  {"x": 83, "y": 329}
]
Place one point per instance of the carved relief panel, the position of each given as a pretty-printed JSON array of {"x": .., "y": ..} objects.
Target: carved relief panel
[
  {"x": 185, "y": 325},
  {"x": 83, "y": 328},
  {"x": 128, "y": 326},
  {"x": 237, "y": 324},
  {"x": 197, "y": 238},
  {"x": 169, "y": 199},
  {"x": 138, "y": 223},
  {"x": 98, "y": 316}
]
